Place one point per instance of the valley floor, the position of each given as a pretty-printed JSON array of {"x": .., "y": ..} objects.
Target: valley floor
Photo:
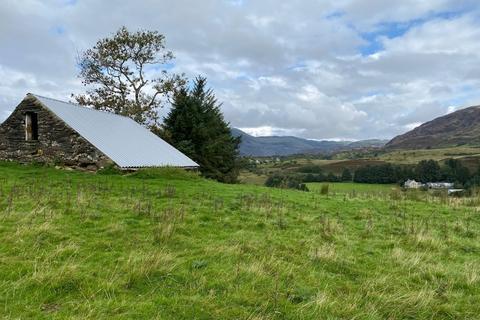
[
  {"x": 167, "y": 244},
  {"x": 261, "y": 168}
]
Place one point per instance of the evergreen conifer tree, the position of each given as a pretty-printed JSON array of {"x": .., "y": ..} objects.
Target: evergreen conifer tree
[{"x": 195, "y": 125}]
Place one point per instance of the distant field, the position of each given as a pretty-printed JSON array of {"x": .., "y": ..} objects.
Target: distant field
[
  {"x": 292, "y": 166},
  {"x": 345, "y": 187},
  {"x": 337, "y": 167},
  {"x": 251, "y": 178},
  {"x": 470, "y": 157},
  {"x": 167, "y": 244},
  {"x": 415, "y": 156}
]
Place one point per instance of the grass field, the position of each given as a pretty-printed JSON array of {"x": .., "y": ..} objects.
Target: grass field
[
  {"x": 166, "y": 244},
  {"x": 349, "y": 188},
  {"x": 247, "y": 177}
]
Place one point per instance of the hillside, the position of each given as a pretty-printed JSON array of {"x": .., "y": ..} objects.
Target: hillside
[
  {"x": 167, "y": 244},
  {"x": 458, "y": 128},
  {"x": 288, "y": 145}
]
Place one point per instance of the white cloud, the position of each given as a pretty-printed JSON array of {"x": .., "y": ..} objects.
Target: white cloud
[
  {"x": 440, "y": 36},
  {"x": 451, "y": 109},
  {"x": 271, "y": 131},
  {"x": 411, "y": 126},
  {"x": 260, "y": 22}
]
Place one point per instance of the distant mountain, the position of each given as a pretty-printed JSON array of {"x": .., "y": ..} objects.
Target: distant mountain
[
  {"x": 370, "y": 143},
  {"x": 461, "y": 127},
  {"x": 288, "y": 145}
]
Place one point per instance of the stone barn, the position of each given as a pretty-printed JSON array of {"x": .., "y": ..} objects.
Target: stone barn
[{"x": 51, "y": 131}]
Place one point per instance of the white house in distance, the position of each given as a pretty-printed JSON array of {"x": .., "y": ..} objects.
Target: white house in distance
[
  {"x": 412, "y": 184},
  {"x": 440, "y": 185}
]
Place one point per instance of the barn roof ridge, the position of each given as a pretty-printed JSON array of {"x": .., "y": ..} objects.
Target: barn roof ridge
[{"x": 77, "y": 105}]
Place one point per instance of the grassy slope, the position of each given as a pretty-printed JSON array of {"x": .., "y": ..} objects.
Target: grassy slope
[
  {"x": 169, "y": 245},
  {"x": 350, "y": 187}
]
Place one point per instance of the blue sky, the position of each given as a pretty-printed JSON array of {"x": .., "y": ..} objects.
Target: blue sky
[
  {"x": 385, "y": 30},
  {"x": 328, "y": 69},
  {"x": 396, "y": 29}
]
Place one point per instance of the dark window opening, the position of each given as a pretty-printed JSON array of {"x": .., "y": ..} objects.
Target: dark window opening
[{"x": 31, "y": 126}]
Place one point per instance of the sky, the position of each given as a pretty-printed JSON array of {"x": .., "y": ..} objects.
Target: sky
[{"x": 317, "y": 69}]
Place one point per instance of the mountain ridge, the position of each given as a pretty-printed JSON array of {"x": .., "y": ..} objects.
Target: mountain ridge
[
  {"x": 461, "y": 127},
  {"x": 289, "y": 145}
]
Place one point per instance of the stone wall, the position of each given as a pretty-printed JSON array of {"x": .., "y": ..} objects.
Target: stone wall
[{"x": 57, "y": 143}]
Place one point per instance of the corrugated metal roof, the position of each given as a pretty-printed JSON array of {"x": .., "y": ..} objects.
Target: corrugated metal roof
[{"x": 127, "y": 143}]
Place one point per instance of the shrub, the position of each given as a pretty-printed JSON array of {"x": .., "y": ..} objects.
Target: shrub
[
  {"x": 310, "y": 169},
  {"x": 110, "y": 169},
  {"x": 346, "y": 175},
  {"x": 286, "y": 181},
  {"x": 324, "y": 189}
]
